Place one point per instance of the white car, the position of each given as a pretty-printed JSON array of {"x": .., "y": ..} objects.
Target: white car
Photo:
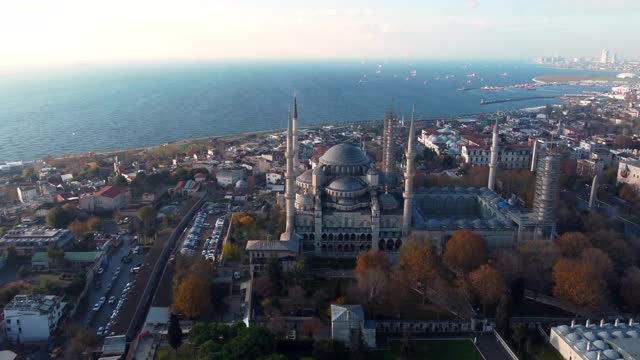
[
  {"x": 100, "y": 331},
  {"x": 96, "y": 307}
]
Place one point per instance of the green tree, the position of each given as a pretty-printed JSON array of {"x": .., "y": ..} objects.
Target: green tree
[
  {"x": 329, "y": 350},
  {"x": 250, "y": 343},
  {"x": 12, "y": 256},
  {"x": 174, "y": 333},
  {"x": 55, "y": 255},
  {"x": 208, "y": 350},
  {"x": 274, "y": 272},
  {"x": 58, "y": 217},
  {"x": 231, "y": 251}
]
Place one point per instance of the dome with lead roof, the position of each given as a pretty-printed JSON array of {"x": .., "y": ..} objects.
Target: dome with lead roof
[{"x": 344, "y": 154}]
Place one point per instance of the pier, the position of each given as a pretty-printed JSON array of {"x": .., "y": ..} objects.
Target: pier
[{"x": 487, "y": 102}]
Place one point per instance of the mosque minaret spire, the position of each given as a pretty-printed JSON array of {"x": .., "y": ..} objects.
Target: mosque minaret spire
[{"x": 408, "y": 179}]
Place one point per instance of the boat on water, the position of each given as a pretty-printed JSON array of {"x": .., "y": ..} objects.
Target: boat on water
[
  {"x": 492, "y": 88},
  {"x": 472, "y": 75},
  {"x": 504, "y": 74}
]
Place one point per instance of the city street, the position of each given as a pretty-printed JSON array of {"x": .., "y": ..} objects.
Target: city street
[{"x": 95, "y": 319}]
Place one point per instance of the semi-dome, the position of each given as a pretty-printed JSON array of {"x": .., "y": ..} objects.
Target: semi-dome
[
  {"x": 305, "y": 177},
  {"x": 388, "y": 201},
  {"x": 344, "y": 154},
  {"x": 346, "y": 184}
]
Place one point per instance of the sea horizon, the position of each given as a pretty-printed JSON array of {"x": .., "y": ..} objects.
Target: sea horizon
[{"x": 102, "y": 108}]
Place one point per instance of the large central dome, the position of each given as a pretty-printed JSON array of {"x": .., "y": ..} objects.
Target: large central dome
[{"x": 344, "y": 154}]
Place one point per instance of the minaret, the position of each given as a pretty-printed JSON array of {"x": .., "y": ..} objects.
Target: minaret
[
  {"x": 290, "y": 179},
  {"x": 493, "y": 165},
  {"x": 534, "y": 156},
  {"x": 387, "y": 144},
  {"x": 594, "y": 193},
  {"x": 408, "y": 180},
  {"x": 295, "y": 149},
  {"x": 545, "y": 193}
]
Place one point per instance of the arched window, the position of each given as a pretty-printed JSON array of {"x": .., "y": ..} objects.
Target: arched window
[
  {"x": 369, "y": 237},
  {"x": 330, "y": 237},
  {"x": 362, "y": 237},
  {"x": 381, "y": 244},
  {"x": 390, "y": 244},
  {"x": 324, "y": 236},
  {"x": 340, "y": 238},
  {"x": 353, "y": 236},
  {"x": 312, "y": 236},
  {"x": 398, "y": 244}
]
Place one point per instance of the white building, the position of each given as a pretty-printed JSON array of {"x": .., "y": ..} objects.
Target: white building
[
  {"x": 30, "y": 319},
  {"x": 29, "y": 241},
  {"x": 27, "y": 193},
  {"x": 348, "y": 321},
  {"x": 629, "y": 172},
  {"x": 509, "y": 156},
  {"x": 261, "y": 250},
  {"x": 603, "y": 341}
]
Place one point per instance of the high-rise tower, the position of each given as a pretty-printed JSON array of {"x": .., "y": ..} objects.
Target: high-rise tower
[
  {"x": 493, "y": 165},
  {"x": 408, "y": 179},
  {"x": 604, "y": 56},
  {"x": 387, "y": 143}
]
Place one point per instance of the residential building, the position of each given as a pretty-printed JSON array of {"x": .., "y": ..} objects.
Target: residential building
[
  {"x": 616, "y": 340},
  {"x": 347, "y": 321},
  {"x": 29, "y": 241},
  {"x": 108, "y": 198},
  {"x": 589, "y": 168},
  {"x": 629, "y": 172},
  {"x": 32, "y": 319},
  {"x": 27, "y": 193}
]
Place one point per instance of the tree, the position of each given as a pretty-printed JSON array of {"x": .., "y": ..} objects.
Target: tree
[
  {"x": 518, "y": 334},
  {"x": 81, "y": 340},
  {"x": 612, "y": 242},
  {"x": 600, "y": 260},
  {"x": 55, "y": 255},
  {"x": 630, "y": 288},
  {"x": 147, "y": 216},
  {"x": 299, "y": 270},
  {"x": 372, "y": 272},
  {"x": 250, "y": 343},
  {"x": 579, "y": 282},
  {"x": 208, "y": 350},
  {"x": 192, "y": 296},
  {"x": 93, "y": 223},
  {"x": 274, "y": 272},
  {"x": 629, "y": 193},
  {"x": 465, "y": 250},
  {"x": 231, "y": 251},
  {"x": 572, "y": 244},
  {"x": 329, "y": 350},
  {"x": 58, "y": 217},
  {"x": 78, "y": 228},
  {"x": 420, "y": 263},
  {"x": 174, "y": 333},
  {"x": 312, "y": 327},
  {"x": 488, "y": 284},
  {"x": 503, "y": 314},
  {"x": 296, "y": 295},
  {"x": 12, "y": 256}
]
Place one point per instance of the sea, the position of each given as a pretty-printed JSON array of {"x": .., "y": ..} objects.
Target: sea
[{"x": 105, "y": 107}]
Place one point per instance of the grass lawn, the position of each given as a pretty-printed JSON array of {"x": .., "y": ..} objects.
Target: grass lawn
[
  {"x": 432, "y": 349},
  {"x": 185, "y": 352}
]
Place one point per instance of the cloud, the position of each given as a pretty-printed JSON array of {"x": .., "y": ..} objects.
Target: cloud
[{"x": 470, "y": 4}]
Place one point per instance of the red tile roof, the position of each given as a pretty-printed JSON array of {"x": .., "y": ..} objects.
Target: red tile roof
[{"x": 111, "y": 191}]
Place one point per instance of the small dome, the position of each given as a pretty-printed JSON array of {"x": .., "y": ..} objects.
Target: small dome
[
  {"x": 346, "y": 184},
  {"x": 241, "y": 184},
  {"x": 372, "y": 171},
  {"x": 633, "y": 334},
  {"x": 573, "y": 337},
  {"x": 388, "y": 201},
  {"x": 581, "y": 346},
  {"x": 592, "y": 355},
  {"x": 589, "y": 335},
  {"x": 618, "y": 334},
  {"x": 611, "y": 354},
  {"x": 563, "y": 329},
  {"x": 604, "y": 335},
  {"x": 600, "y": 345},
  {"x": 305, "y": 177},
  {"x": 344, "y": 154}
]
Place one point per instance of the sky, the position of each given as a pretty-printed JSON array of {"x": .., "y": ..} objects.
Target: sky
[{"x": 46, "y": 32}]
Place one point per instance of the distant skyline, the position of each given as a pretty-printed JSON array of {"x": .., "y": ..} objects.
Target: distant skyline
[{"x": 43, "y": 33}]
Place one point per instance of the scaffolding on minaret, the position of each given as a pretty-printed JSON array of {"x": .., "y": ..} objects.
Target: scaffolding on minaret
[{"x": 387, "y": 143}]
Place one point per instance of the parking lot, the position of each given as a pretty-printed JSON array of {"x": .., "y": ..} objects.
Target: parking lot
[
  {"x": 204, "y": 235},
  {"x": 111, "y": 282}
]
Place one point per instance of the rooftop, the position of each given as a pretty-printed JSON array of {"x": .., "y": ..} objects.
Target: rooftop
[
  {"x": 40, "y": 303},
  {"x": 111, "y": 191}
]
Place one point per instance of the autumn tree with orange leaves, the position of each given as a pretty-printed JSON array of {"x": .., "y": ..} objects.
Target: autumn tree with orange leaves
[
  {"x": 572, "y": 243},
  {"x": 488, "y": 284},
  {"x": 419, "y": 261},
  {"x": 372, "y": 272},
  {"x": 192, "y": 296},
  {"x": 579, "y": 281},
  {"x": 465, "y": 250}
]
